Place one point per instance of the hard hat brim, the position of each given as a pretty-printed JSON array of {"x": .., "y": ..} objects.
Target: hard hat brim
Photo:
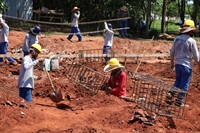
[
  {"x": 32, "y": 31},
  {"x": 74, "y": 9},
  {"x": 187, "y": 29},
  {"x": 109, "y": 68}
]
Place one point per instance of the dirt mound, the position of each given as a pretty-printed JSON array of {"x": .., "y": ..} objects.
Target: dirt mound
[{"x": 82, "y": 110}]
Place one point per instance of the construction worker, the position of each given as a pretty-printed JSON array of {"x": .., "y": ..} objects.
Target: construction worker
[
  {"x": 4, "y": 32},
  {"x": 108, "y": 39},
  {"x": 74, "y": 24},
  {"x": 141, "y": 25},
  {"x": 117, "y": 82},
  {"x": 183, "y": 50},
  {"x": 123, "y": 13},
  {"x": 31, "y": 38},
  {"x": 26, "y": 81}
]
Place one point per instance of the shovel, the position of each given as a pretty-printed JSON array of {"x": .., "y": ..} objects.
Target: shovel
[{"x": 56, "y": 96}]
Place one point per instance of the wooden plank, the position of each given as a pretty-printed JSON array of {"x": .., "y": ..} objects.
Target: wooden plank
[
  {"x": 50, "y": 17},
  {"x": 94, "y": 55}
]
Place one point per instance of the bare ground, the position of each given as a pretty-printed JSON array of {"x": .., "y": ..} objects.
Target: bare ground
[{"x": 81, "y": 111}]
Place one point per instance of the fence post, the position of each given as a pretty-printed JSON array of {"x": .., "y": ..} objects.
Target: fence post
[
  {"x": 125, "y": 58},
  {"x": 19, "y": 12}
]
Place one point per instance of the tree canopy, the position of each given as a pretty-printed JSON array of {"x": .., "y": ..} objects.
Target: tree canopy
[
  {"x": 2, "y": 6},
  {"x": 93, "y": 10}
]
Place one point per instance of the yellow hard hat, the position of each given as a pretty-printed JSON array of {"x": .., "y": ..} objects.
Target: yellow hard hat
[
  {"x": 37, "y": 46},
  {"x": 188, "y": 26},
  {"x": 113, "y": 62},
  {"x": 189, "y": 23}
]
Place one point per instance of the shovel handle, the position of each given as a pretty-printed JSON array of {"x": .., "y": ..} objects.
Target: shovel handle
[{"x": 49, "y": 79}]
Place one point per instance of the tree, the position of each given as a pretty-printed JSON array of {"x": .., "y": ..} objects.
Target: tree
[
  {"x": 195, "y": 12},
  {"x": 2, "y": 6},
  {"x": 181, "y": 9},
  {"x": 163, "y": 16},
  {"x": 148, "y": 14}
]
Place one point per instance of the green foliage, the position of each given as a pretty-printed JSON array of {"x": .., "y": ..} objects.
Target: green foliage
[
  {"x": 156, "y": 24},
  {"x": 171, "y": 26},
  {"x": 94, "y": 10},
  {"x": 157, "y": 8},
  {"x": 154, "y": 32},
  {"x": 172, "y": 10},
  {"x": 2, "y": 6}
]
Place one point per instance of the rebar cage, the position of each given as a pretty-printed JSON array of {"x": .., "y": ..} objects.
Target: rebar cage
[
  {"x": 155, "y": 95},
  {"x": 94, "y": 55},
  {"x": 86, "y": 77}
]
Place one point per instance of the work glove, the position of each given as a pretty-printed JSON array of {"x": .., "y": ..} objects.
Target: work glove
[{"x": 108, "y": 90}]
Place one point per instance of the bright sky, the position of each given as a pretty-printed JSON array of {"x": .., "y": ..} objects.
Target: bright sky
[{"x": 190, "y": 2}]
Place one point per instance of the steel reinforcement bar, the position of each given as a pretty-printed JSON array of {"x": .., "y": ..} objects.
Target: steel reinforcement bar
[
  {"x": 86, "y": 77},
  {"x": 153, "y": 94}
]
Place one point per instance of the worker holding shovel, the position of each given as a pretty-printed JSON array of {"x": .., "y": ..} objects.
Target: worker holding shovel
[
  {"x": 117, "y": 82},
  {"x": 26, "y": 81}
]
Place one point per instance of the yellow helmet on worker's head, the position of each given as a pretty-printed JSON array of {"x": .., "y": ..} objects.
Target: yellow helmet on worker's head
[
  {"x": 188, "y": 26},
  {"x": 37, "y": 46},
  {"x": 112, "y": 64},
  {"x": 188, "y": 23}
]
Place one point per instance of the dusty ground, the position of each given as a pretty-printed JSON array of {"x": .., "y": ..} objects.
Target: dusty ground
[{"x": 81, "y": 111}]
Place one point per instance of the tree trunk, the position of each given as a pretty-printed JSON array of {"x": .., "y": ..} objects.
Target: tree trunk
[
  {"x": 163, "y": 16},
  {"x": 148, "y": 17},
  {"x": 196, "y": 8},
  {"x": 56, "y": 4},
  {"x": 182, "y": 13}
]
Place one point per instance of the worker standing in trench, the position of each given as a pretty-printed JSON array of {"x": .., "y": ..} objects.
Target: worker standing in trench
[
  {"x": 183, "y": 50},
  {"x": 31, "y": 38},
  {"x": 4, "y": 32},
  {"x": 25, "y": 80},
  {"x": 117, "y": 82}
]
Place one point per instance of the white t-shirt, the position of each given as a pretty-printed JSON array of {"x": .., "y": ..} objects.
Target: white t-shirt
[
  {"x": 26, "y": 72},
  {"x": 4, "y": 32},
  {"x": 183, "y": 50},
  {"x": 108, "y": 36}
]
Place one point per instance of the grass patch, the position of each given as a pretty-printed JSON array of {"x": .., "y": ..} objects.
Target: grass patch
[{"x": 171, "y": 26}]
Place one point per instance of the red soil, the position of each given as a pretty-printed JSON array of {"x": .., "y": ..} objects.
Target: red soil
[{"x": 82, "y": 111}]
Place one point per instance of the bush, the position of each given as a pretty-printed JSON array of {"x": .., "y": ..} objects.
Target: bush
[{"x": 154, "y": 32}]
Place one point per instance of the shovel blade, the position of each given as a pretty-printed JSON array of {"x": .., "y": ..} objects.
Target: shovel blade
[{"x": 56, "y": 96}]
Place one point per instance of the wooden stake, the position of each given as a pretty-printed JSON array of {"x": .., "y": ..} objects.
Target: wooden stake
[{"x": 125, "y": 59}]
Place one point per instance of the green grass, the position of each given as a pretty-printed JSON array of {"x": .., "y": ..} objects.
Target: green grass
[{"x": 170, "y": 28}]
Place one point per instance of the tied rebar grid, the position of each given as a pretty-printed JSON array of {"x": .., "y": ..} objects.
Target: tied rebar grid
[
  {"x": 86, "y": 77},
  {"x": 94, "y": 55},
  {"x": 153, "y": 94}
]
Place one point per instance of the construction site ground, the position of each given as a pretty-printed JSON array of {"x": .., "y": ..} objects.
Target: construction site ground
[{"x": 82, "y": 111}]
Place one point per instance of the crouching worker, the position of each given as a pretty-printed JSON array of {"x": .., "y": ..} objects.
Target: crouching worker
[
  {"x": 26, "y": 81},
  {"x": 117, "y": 82}
]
